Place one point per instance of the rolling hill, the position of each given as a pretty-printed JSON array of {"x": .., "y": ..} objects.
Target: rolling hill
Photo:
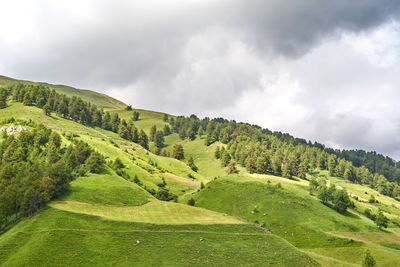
[
  {"x": 101, "y": 100},
  {"x": 238, "y": 219}
]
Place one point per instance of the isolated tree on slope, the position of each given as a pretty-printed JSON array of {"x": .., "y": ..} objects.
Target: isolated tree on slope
[
  {"x": 381, "y": 220},
  {"x": 368, "y": 261}
]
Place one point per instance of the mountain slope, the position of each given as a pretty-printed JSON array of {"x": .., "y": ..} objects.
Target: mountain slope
[
  {"x": 96, "y": 222},
  {"x": 101, "y": 100},
  {"x": 112, "y": 219}
]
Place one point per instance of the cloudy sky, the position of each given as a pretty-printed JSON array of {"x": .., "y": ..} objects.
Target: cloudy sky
[{"x": 323, "y": 70}]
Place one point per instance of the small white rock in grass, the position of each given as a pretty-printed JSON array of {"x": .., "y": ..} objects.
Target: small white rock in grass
[{"x": 137, "y": 242}]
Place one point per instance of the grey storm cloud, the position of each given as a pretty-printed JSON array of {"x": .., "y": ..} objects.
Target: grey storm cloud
[{"x": 214, "y": 58}]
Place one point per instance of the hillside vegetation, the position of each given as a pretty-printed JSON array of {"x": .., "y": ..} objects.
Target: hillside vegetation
[{"x": 184, "y": 191}]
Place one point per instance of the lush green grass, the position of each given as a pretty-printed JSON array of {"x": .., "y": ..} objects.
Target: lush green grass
[
  {"x": 345, "y": 256},
  {"x": 288, "y": 211},
  {"x": 208, "y": 165},
  {"x": 147, "y": 119},
  {"x": 106, "y": 188},
  {"x": 293, "y": 214},
  {"x": 158, "y": 212},
  {"x": 69, "y": 239},
  {"x": 99, "y": 99}
]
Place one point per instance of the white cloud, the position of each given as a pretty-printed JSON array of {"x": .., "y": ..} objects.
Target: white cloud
[{"x": 322, "y": 70}]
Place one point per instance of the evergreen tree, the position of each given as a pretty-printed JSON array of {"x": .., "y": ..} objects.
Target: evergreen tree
[
  {"x": 332, "y": 165},
  {"x": 231, "y": 168},
  {"x": 225, "y": 158},
  {"x": 190, "y": 133},
  {"x": 341, "y": 201},
  {"x": 251, "y": 165},
  {"x": 95, "y": 162},
  {"x": 143, "y": 140},
  {"x": 201, "y": 131},
  {"x": 106, "y": 123},
  {"x": 349, "y": 173},
  {"x": 263, "y": 165},
  {"x": 191, "y": 164},
  {"x": 368, "y": 261},
  {"x": 135, "y": 116},
  {"x": 3, "y": 98},
  {"x": 134, "y": 134},
  {"x": 167, "y": 130},
  {"x": 381, "y": 220},
  {"x": 217, "y": 153},
  {"x": 324, "y": 194},
  {"x": 286, "y": 170},
  {"x": 303, "y": 169},
  {"x": 124, "y": 132},
  {"x": 177, "y": 152},
  {"x": 115, "y": 121},
  {"x": 165, "y": 118},
  {"x": 153, "y": 131},
  {"x": 191, "y": 202},
  {"x": 276, "y": 163},
  {"x": 182, "y": 133},
  {"x": 159, "y": 139}
]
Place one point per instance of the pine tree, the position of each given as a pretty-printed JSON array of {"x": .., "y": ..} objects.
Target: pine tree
[
  {"x": 167, "y": 130},
  {"x": 225, "y": 158},
  {"x": 368, "y": 261},
  {"x": 159, "y": 139},
  {"x": 134, "y": 134},
  {"x": 124, "y": 132},
  {"x": 182, "y": 133},
  {"x": 3, "y": 98},
  {"x": 153, "y": 131},
  {"x": 143, "y": 140},
  {"x": 231, "y": 168},
  {"x": 341, "y": 201},
  {"x": 135, "y": 116},
  {"x": 191, "y": 164},
  {"x": 165, "y": 117},
  {"x": 217, "y": 153},
  {"x": 251, "y": 165},
  {"x": 47, "y": 109},
  {"x": 286, "y": 170},
  {"x": 177, "y": 152},
  {"x": 381, "y": 220},
  {"x": 332, "y": 165}
]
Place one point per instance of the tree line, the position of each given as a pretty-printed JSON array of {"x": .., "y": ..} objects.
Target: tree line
[
  {"x": 262, "y": 151},
  {"x": 35, "y": 167}
]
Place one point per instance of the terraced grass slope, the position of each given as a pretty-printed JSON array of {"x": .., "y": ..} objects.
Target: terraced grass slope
[{"x": 99, "y": 99}]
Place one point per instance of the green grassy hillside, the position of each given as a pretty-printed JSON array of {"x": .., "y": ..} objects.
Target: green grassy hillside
[
  {"x": 240, "y": 220},
  {"x": 99, "y": 99},
  {"x": 105, "y": 219}
]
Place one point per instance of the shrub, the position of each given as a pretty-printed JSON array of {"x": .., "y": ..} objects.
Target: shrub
[{"x": 191, "y": 202}]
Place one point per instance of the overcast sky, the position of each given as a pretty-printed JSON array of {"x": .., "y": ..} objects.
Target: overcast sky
[{"x": 323, "y": 70}]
